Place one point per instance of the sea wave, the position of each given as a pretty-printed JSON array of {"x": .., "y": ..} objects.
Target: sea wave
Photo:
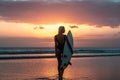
[
  {"x": 51, "y": 50},
  {"x": 97, "y": 50}
]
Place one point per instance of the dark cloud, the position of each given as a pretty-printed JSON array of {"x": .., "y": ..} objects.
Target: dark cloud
[
  {"x": 41, "y": 27},
  {"x": 74, "y": 26},
  {"x": 91, "y": 12},
  {"x": 38, "y": 27}
]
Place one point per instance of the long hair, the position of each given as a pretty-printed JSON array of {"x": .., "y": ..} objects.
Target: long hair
[{"x": 61, "y": 29}]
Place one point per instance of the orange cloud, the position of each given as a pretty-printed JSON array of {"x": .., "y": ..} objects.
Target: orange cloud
[{"x": 74, "y": 26}]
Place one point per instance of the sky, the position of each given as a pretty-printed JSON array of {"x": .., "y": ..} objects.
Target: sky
[{"x": 34, "y": 23}]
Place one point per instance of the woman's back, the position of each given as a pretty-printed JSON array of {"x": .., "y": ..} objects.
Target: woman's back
[{"x": 60, "y": 39}]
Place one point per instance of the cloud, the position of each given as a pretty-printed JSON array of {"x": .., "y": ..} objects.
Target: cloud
[
  {"x": 41, "y": 27},
  {"x": 91, "y": 12},
  {"x": 74, "y": 26},
  {"x": 38, "y": 27}
]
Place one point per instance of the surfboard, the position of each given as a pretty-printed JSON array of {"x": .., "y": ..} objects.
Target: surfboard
[{"x": 67, "y": 54}]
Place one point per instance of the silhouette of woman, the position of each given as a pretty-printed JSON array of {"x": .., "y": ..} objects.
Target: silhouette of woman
[{"x": 60, "y": 39}]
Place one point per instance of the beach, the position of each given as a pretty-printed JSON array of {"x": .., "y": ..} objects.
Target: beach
[
  {"x": 88, "y": 68},
  {"x": 34, "y": 32}
]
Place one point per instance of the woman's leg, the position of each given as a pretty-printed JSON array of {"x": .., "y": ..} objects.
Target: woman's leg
[
  {"x": 58, "y": 66},
  {"x": 62, "y": 72}
]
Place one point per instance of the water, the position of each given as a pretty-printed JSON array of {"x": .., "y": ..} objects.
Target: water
[
  {"x": 28, "y": 50},
  {"x": 40, "y": 64},
  {"x": 51, "y": 50},
  {"x": 32, "y": 53},
  {"x": 93, "y": 68}
]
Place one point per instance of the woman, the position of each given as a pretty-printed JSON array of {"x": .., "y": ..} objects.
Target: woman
[{"x": 60, "y": 39}]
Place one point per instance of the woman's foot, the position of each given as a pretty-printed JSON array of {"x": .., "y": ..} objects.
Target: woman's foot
[{"x": 60, "y": 78}]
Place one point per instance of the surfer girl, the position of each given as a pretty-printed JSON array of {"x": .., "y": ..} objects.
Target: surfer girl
[{"x": 60, "y": 39}]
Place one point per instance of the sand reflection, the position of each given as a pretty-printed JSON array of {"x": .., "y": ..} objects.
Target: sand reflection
[{"x": 103, "y": 68}]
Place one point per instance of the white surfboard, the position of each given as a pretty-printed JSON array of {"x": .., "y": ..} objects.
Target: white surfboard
[{"x": 67, "y": 54}]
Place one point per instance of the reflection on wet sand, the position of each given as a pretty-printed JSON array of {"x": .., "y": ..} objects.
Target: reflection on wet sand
[{"x": 102, "y": 68}]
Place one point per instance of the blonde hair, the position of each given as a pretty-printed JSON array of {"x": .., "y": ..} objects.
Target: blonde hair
[{"x": 61, "y": 29}]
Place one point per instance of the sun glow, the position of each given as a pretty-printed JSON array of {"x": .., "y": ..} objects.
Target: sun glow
[
  {"x": 31, "y": 30},
  {"x": 52, "y": 29},
  {"x": 40, "y": 31}
]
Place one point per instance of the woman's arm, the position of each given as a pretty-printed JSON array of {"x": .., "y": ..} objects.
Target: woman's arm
[{"x": 55, "y": 45}]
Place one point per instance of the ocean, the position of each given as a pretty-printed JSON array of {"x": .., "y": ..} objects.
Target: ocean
[
  {"x": 41, "y": 64},
  {"x": 29, "y": 53}
]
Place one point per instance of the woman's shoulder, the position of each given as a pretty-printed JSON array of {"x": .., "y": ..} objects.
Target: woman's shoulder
[
  {"x": 59, "y": 35},
  {"x": 56, "y": 36}
]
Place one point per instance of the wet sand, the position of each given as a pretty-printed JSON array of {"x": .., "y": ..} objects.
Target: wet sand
[{"x": 90, "y": 68}]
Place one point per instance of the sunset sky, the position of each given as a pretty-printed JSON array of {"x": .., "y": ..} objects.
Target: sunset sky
[{"x": 33, "y": 23}]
